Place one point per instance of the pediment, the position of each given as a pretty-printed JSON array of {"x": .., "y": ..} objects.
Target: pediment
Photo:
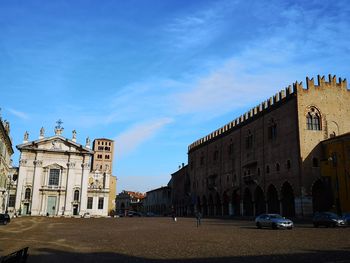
[{"x": 54, "y": 143}]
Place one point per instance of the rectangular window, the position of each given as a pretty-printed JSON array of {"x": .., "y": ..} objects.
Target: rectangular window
[
  {"x": 100, "y": 203},
  {"x": 12, "y": 200},
  {"x": 54, "y": 176},
  {"x": 89, "y": 202},
  {"x": 107, "y": 156}
]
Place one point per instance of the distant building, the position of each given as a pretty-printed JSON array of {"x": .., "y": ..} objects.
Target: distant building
[
  {"x": 333, "y": 189},
  {"x": 267, "y": 159},
  {"x": 6, "y": 151},
  {"x": 102, "y": 162},
  {"x": 54, "y": 178},
  {"x": 129, "y": 200},
  {"x": 181, "y": 191},
  {"x": 112, "y": 195},
  {"x": 103, "y": 155},
  {"x": 158, "y": 201}
]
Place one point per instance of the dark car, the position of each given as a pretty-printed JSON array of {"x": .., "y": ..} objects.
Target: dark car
[
  {"x": 346, "y": 217},
  {"x": 134, "y": 213},
  {"x": 274, "y": 221},
  {"x": 4, "y": 219},
  {"x": 327, "y": 219}
]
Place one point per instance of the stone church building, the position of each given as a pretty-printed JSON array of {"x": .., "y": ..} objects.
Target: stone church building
[
  {"x": 55, "y": 179},
  {"x": 268, "y": 159}
]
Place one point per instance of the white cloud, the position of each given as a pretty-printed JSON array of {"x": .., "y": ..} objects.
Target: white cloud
[
  {"x": 129, "y": 140},
  {"x": 19, "y": 114}
]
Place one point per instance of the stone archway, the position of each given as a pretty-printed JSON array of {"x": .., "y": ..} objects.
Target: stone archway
[
  {"x": 218, "y": 209},
  {"x": 210, "y": 206},
  {"x": 236, "y": 203},
  {"x": 287, "y": 200},
  {"x": 205, "y": 206},
  {"x": 247, "y": 203},
  {"x": 199, "y": 205},
  {"x": 322, "y": 199},
  {"x": 273, "y": 205},
  {"x": 226, "y": 203},
  {"x": 259, "y": 198}
]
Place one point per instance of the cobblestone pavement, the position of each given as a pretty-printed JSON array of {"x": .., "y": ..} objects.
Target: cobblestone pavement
[{"x": 162, "y": 240}]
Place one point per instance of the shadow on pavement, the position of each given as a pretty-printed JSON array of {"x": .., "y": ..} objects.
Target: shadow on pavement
[{"x": 52, "y": 256}]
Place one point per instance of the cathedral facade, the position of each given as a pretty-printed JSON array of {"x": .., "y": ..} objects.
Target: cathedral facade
[{"x": 54, "y": 178}]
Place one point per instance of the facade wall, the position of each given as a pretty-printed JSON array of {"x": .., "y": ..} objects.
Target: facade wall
[
  {"x": 335, "y": 169},
  {"x": 331, "y": 99},
  {"x": 265, "y": 159},
  {"x": 103, "y": 155},
  {"x": 158, "y": 201},
  {"x": 180, "y": 187},
  {"x": 5, "y": 164},
  {"x": 66, "y": 196}
]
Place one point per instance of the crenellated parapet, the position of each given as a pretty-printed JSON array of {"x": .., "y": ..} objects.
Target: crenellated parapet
[{"x": 279, "y": 98}]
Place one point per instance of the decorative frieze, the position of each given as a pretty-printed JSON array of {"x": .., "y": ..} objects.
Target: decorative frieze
[
  {"x": 70, "y": 165},
  {"x": 38, "y": 163},
  {"x": 85, "y": 165},
  {"x": 23, "y": 162}
]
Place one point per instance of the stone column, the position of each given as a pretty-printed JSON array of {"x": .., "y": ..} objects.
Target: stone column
[
  {"x": 230, "y": 209},
  {"x": 20, "y": 181},
  {"x": 35, "y": 207},
  {"x": 84, "y": 184}
]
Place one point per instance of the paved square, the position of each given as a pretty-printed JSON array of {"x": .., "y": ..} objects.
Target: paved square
[{"x": 162, "y": 240}]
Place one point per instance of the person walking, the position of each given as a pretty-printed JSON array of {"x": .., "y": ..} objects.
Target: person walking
[{"x": 198, "y": 217}]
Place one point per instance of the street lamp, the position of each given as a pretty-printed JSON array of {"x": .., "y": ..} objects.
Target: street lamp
[{"x": 333, "y": 159}]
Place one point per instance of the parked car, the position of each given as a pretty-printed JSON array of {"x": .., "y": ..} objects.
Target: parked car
[
  {"x": 327, "y": 219},
  {"x": 4, "y": 219},
  {"x": 274, "y": 221},
  {"x": 346, "y": 217},
  {"x": 134, "y": 213}
]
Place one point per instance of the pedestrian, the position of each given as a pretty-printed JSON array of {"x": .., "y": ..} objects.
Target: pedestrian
[
  {"x": 173, "y": 216},
  {"x": 198, "y": 217}
]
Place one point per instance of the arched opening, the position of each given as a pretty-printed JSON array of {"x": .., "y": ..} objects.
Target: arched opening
[
  {"x": 211, "y": 205},
  {"x": 287, "y": 200},
  {"x": 205, "y": 206},
  {"x": 273, "y": 205},
  {"x": 122, "y": 208},
  {"x": 76, "y": 195},
  {"x": 259, "y": 201},
  {"x": 321, "y": 196},
  {"x": 27, "y": 194},
  {"x": 199, "y": 205},
  {"x": 236, "y": 203},
  {"x": 218, "y": 209},
  {"x": 226, "y": 202},
  {"x": 247, "y": 203}
]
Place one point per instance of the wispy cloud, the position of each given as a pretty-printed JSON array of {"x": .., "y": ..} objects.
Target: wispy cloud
[
  {"x": 132, "y": 138},
  {"x": 19, "y": 114}
]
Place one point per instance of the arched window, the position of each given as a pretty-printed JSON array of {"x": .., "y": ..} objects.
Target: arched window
[
  {"x": 27, "y": 194},
  {"x": 277, "y": 167},
  {"x": 313, "y": 119},
  {"x": 76, "y": 195}
]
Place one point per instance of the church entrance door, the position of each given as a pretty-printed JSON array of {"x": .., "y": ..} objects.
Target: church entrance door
[
  {"x": 25, "y": 209},
  {"x": 75, "y": 210},
  {"x": 51, "y": 205}
]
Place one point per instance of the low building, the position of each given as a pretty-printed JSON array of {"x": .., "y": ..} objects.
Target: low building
[
  {"x": 158, "y": 201},
  {"x": 180, "y": 191},
  {"x": 129, "y": 201},
  {"x": 333, "y": 189}
]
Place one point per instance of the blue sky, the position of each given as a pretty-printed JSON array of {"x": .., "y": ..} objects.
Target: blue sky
[{"x": 157, "y": 75}]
